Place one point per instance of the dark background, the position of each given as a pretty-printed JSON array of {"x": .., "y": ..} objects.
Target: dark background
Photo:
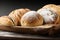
[{"x": 6, "y": 6}]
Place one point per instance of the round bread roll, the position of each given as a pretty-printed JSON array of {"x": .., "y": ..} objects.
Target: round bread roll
[
  {"x": 17, "y": 14},
  {"x": 50, "y": 13},
  {"x": 31, "y": 18},
  {"x": 6, "y": 21}
]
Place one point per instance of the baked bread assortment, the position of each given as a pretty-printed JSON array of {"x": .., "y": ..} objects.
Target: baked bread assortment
[{"x": 30, "y": 21}]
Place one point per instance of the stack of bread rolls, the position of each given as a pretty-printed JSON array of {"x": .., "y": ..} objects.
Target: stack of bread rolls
[
  {"x": 48, "y": 14},
  {"x": 13, "y": 19}
]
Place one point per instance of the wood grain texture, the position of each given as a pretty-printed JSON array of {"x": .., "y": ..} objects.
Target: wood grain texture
[{"x": 50, "y": 30}]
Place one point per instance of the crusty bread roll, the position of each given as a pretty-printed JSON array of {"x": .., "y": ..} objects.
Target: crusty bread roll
[
  {"x": 6, "y": 21},
  {"x": 31, "y": 18},
  {"x": 50, "y": 13},
  {"x": 17, "y": 14}
]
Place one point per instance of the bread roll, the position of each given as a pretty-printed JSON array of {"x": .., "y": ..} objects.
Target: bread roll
[
  {"x": 6, "y": 21},
  {"x": 17, "y": 14},
  {"x": 31, "y": 18},
  {"x": 50, "y": 14}
]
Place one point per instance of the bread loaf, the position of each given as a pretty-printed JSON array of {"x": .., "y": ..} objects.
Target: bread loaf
[
  {"x": 50, "y": 13},
  {"x": 31, "y": 18},
  {"x": 17, "y": 14}
]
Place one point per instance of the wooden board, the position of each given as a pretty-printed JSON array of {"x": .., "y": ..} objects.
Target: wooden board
[
  {"x": 46, "y": 30},
  {"x": 11, "y": 35}
]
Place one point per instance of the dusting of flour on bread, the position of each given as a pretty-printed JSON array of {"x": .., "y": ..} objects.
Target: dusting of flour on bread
[
  {"x": 31, "y": 18},
  {"x": 48, "y": 15}
]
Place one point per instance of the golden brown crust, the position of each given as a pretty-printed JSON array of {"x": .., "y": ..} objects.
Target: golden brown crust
[
  {"x": 4, "y": 20},
  {"x": 57, "y": 21},
  {"x": 17, "y": 14},
  {"x": 31, "y": 20},
  {"x": 14, "y": 17}
]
